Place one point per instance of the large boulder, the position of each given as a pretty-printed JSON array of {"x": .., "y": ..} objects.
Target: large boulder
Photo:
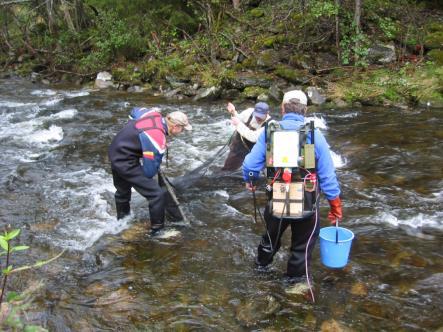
[
  {"x": 103, "y": 80},
  {"x": 208, "y": 93},
  {"x": 291, "y": 74},
  {"x": 315, "y": 95},
  {"x": 381, "y": 54},
  {"x": 242, "y": 82}
]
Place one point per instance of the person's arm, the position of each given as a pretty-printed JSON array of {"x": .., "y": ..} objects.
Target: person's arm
[
  {"x": 250, "y": 134},
  {"x": 255, "y": 160},
  {"x": 327, "y": 177},
  {"x": 231, "y": 109}
]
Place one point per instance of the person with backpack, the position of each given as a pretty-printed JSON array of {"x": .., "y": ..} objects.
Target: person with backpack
[
  {"x": 298, "y": 166},
  {"x": 143, "y": 138}
]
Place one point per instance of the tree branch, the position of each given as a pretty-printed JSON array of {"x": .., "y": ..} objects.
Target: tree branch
[{"x": 13, "y": 2}]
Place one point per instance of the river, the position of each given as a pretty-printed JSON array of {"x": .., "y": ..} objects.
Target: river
[{"x": 57, "y": 188}]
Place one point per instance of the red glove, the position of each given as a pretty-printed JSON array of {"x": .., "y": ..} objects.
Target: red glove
[{"x": 335, "y": 210}]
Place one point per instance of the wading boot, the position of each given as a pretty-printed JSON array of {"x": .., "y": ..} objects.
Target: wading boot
[
  {"x": 123, "y": 210},
  {"x": 156, "y": 229}
]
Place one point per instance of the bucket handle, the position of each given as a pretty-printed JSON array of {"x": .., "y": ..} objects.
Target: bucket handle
[{"x": 336, "y": 230}]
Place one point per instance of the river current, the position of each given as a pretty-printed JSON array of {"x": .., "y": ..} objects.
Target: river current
[{"x": 56, "y": 186}]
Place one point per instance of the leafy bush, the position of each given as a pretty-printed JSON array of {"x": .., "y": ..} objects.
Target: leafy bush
[{"x": 112, "y": 40}]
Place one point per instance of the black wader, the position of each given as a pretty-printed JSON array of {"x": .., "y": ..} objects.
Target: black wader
[{"x": 301, "y": 231}]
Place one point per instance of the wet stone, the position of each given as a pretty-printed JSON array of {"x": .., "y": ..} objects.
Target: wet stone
[
  {"x": 359, "y": 289},
  {"x": 333, "y": 326}
]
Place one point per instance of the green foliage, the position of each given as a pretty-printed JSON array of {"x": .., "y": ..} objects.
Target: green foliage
[
  {"x": 112, "y": 40},
  {"x": 354, "y": 45},
  {"x": 388, "y": 26},
  {"x": 321, "y": 9},
  {"x": 436, "y": 56},
  {"x": 14, "y": 309}
]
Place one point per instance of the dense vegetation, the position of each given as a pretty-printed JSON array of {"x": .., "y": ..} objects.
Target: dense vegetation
[{"x": 326, "y": 43}]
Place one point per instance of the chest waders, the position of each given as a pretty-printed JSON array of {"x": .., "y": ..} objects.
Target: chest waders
[
  {"x": 290, "y": 171},
  {"x": 239, "y": 147}
]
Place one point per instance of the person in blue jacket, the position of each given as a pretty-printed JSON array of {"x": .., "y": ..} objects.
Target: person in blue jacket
[
  {"x": 305, "y": 231},
  {"x": 144, "y": 138}
]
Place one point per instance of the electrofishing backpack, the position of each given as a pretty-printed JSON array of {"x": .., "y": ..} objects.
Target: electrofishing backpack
[
  {"x": 152, "y": 135},
  {"x": 290, "y": 171}
]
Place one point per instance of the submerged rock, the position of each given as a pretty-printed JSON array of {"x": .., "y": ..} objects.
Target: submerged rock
[
  {"x": 359, "y": 289},
  {"x": 333, "y": 326}
]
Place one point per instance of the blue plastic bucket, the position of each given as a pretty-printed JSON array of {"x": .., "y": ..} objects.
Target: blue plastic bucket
[{"x": 335, "y": 254}]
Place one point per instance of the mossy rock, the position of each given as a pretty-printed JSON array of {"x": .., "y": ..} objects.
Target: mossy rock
[
  {"x": 290, "y": 74},
  {"x": 257, "y": 12},
  {"x": 436, "y": 56},
  {"x": 270, "y": 41},
  {"x": 434, "y": 40},
  {"x": 302, "y": 61},
  {"x": 248, "y": 63},
  {"x": 126, "y": 74},
  {"x": 268, "y": 58},
  {"x": 252, "y": 92}
]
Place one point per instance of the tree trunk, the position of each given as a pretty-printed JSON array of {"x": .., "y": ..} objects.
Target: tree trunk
[
  {"x": 357, "y": 17},
  {"x": 50, "y": 15},
  {"x": 68, "y": 19},
  {"x": 337, "y": 29},
  {"x": 80, "y": 18},
  {"x": 5, "y": 28}
]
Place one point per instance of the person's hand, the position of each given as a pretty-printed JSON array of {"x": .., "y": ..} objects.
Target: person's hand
[
  {"x": 250, "y": 186},
  {"x": 335, "y": 210},
  {"x": 235, "y": 121},
  {"x": 231, "y": 109}
]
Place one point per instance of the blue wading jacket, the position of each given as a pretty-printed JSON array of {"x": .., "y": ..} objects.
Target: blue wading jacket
[
  {"x": 255, "y": 160},
  {"x": 144, "y": 136}
]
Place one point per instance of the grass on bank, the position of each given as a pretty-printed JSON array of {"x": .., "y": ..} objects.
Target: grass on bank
[{"x": 410, "y": 84}]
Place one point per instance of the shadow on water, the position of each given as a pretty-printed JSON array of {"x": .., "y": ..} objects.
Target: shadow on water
[{"x": 56, "y": 186}]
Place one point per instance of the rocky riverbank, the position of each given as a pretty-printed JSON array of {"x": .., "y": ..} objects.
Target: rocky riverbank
[{"x": 263, "y": 50}]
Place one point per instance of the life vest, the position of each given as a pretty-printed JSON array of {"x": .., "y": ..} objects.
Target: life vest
[
  {"x": 152, "y": 135},
  {"x": 290, "y": 171}
]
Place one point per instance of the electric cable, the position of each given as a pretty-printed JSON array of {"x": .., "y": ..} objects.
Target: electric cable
[
  {"x": 306, "y": 250},
  {"x": 261, "y": 217}
]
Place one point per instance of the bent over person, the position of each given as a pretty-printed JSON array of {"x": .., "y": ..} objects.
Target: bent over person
[
  {"x": 298, "y": 166},
  {"x": 248, "y": 124},
  {"x": 144, "y": 138}
]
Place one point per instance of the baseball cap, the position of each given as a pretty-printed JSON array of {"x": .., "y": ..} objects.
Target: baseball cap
[
  {"x": 295, "y": 94},
  {"x": 179, "y": 118},
  {"x": 261, "y": 110}
]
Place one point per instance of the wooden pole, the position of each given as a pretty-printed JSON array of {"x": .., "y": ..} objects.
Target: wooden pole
[{"x": 170, "y": 190}]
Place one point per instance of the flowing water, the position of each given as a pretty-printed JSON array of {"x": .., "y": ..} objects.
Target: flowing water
[{"x": 57, "y": 188}]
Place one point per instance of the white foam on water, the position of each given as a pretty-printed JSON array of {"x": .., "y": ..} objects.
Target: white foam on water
[
  {"x": 416, "y": 222},
  {"x": 222, "y": 193},
  {"x": 319, "y": 123},
  {"x": 14, "y": 104},
  {"x": 167, "y": 234},
  {"x": 52, "y": 101},
  {"x": 54, "y": 133},
  {"x": 74, "y": 94},
  {"x": 338, "y": 160},
  {"x": 438, "y": 196},
  {"x": 42, "y": 93},
  {"x": 86, "y": 197},
  {"x": 344, "y": 115},
  {"x": 65, "y": 114}
]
